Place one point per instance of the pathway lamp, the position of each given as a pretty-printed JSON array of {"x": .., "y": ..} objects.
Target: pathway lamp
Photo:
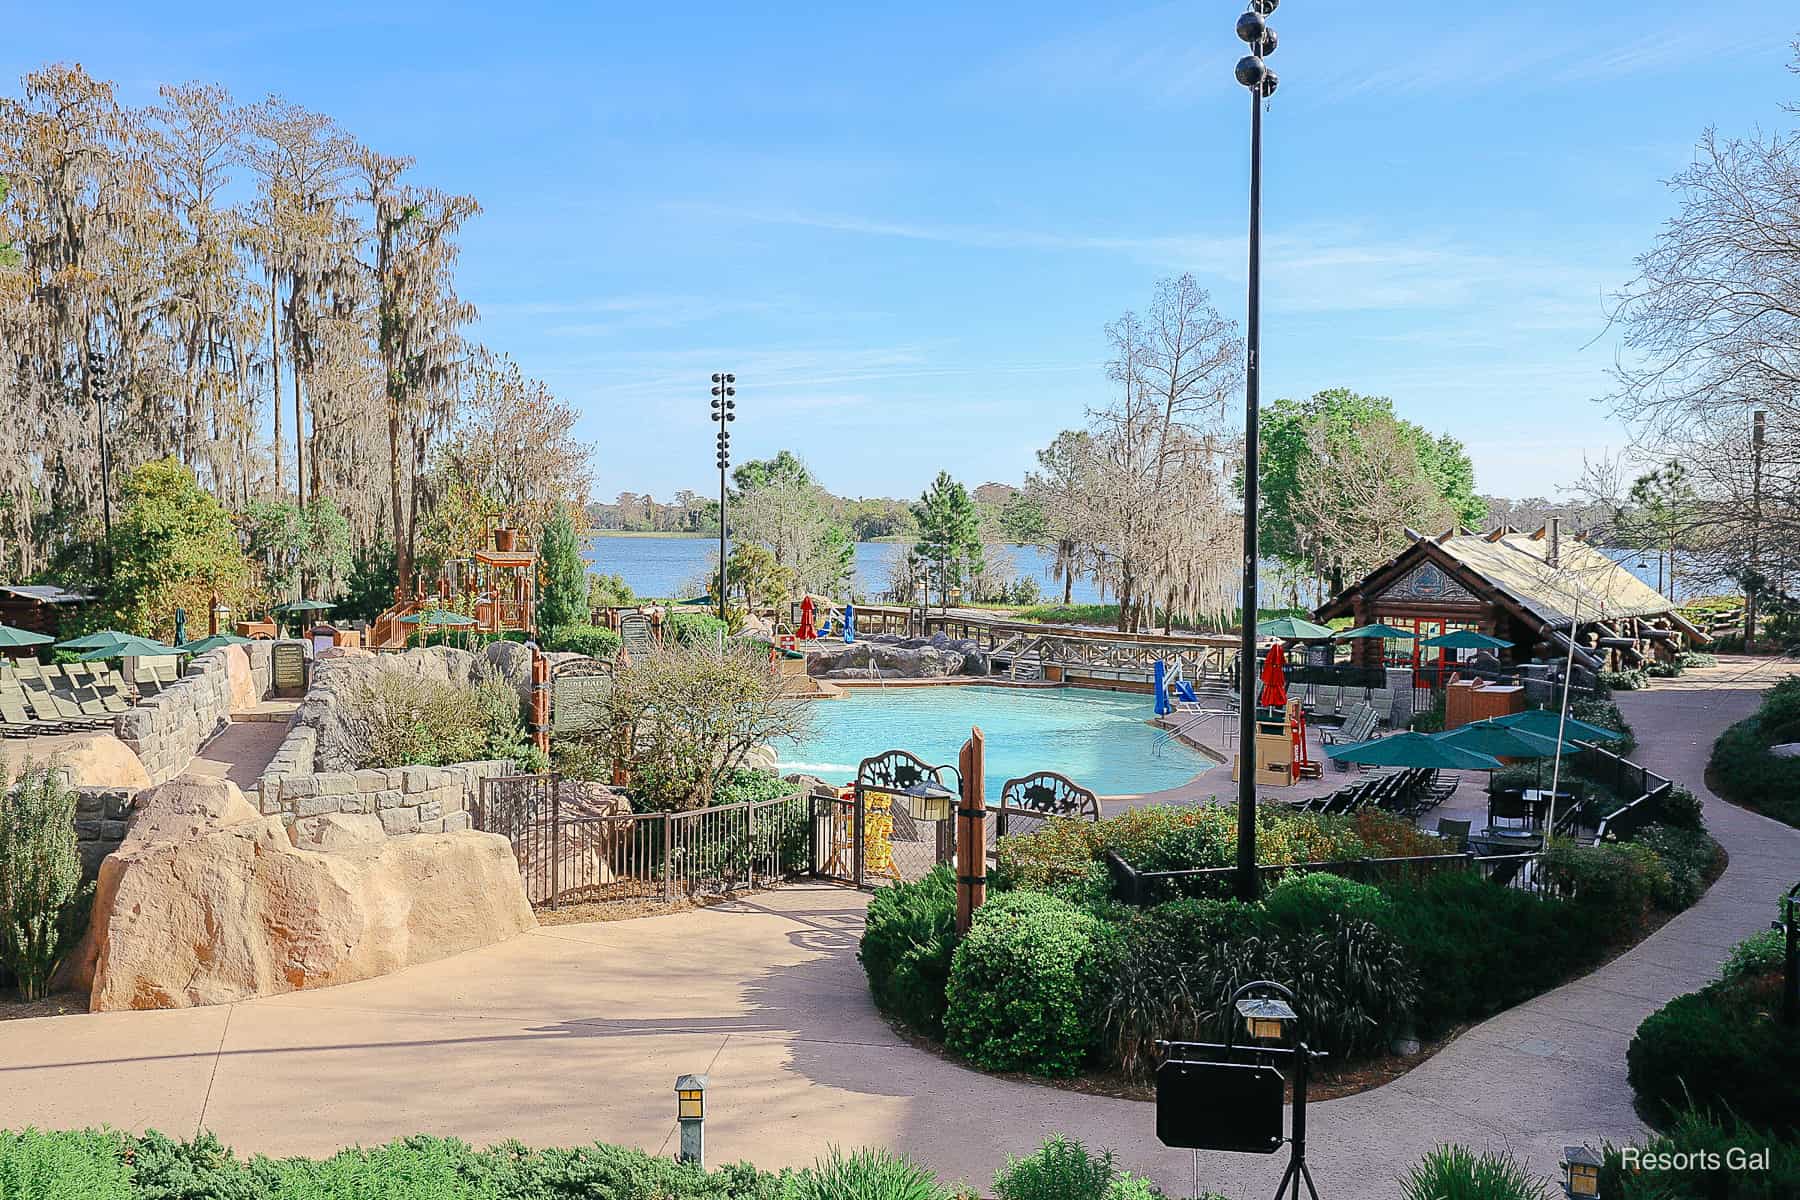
[
  {"x": 1581, "y": 1172},
  {"x": 690, "y": 1112},
  {"x": 1253, "y": 72}
]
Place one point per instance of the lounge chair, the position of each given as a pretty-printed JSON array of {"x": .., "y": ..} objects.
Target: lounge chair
[{"x": 1326, "y": 703}]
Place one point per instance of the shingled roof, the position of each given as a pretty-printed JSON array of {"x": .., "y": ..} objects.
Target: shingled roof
[{"x": 1583, "y": 585}]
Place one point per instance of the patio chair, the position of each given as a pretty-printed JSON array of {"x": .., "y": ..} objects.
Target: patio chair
[
  {"x": 1456, "y": 833},
  {"x": 45, "y": 714},
  {"x": 26, "y": 668},
  {"x": 1382, "y": 701},
  {"x": 1327, "y": 700},
  {"x": 166, "y": 669}
]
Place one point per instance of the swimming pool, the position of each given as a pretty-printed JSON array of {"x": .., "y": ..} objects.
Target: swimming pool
[{"x": 1101, "y": 740}]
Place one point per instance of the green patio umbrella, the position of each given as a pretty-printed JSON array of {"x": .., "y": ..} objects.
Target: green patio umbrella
[
  {"x": 1377, "y": 630},
  {"x": 697, "y": 600},
  {"x": 88, "y": 641},
  {"x": 129, "y": 645},
  {"x": 437, "y": 616},
  {"x": 1466, "y": 639},
  {"x": 11, "y": 637},
  {"x": 302, "y": 605},
  {"x": 1292, "y": 629},
  {"x": 1545, "y": 723},
  {"x": 213, "y": 643},
  {"x": 1503, "y": 741},
  {"x": 1412, "y": 750}
]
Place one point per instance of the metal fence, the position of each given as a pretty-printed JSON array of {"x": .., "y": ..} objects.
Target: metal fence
[
  {"x": 571, "y": 849},
  {"x": 1521, "y": 871}
]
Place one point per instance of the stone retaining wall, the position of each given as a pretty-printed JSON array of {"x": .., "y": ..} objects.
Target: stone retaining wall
[
  {"x": 405, "y": 799},
  {"x": 168, "y": 729},
  {"x": 102, "y": 817}
]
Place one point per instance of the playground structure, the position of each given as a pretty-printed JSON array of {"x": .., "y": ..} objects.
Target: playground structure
[{"x": 497, "y": 584}]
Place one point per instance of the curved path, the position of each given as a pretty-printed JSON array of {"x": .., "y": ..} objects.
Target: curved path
[{"x": 575, "y": 1033}]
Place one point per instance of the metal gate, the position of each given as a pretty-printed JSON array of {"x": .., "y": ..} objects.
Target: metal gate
[{"x": 892, "y": 836}]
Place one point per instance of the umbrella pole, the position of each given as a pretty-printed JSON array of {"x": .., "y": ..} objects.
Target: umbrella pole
[{"x": 1562, "y": 724}]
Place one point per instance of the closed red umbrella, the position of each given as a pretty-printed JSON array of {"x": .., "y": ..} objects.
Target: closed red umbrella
[{"x": 1274, "y": 678}]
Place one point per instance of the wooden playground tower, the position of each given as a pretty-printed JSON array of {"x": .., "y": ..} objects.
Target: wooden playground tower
[{"x": 497, "y": 584}]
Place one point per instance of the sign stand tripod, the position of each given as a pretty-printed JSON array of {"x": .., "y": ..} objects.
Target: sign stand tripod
[{"x": 1229, "y": 1097}]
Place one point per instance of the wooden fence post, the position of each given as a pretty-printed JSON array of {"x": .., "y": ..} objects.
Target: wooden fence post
[
  {"x": 971, "y": 830},
  {"x": 540, "y": 700}
]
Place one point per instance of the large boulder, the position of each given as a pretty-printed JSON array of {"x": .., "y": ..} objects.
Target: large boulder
[
  {"x": 512, "y": 662},
  {"x": 878, "y": 660},
  {"x": 210, "y": 903},
  {"x": 91, "y": 759}
]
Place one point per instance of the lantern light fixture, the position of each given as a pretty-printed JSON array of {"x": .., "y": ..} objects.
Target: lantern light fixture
[
  {"x": 929, "y": 800},
  {"x": 1265, "y": 1018},
  {"x": 1581, "y": 1171},
  {"x": 690, "y": 1113}
]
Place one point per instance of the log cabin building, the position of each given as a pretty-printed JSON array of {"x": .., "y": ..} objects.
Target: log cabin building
[{"x": 1530, "y": 589}]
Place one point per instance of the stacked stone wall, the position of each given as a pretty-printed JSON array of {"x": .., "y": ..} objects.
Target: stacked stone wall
[
  {"x": 166, "y": 730},
  {"x": 405, "y": 799}
]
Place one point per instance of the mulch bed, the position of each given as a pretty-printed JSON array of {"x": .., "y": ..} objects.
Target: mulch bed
[{"x": 57, "y": 1004}]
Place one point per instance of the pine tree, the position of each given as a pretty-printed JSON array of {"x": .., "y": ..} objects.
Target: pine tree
[
  {"x": 949, "y": 532},
  {"x": 565, "y": 598}
]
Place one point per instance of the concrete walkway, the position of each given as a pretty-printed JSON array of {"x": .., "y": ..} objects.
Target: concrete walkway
[{"x": 576, "y": 1033}]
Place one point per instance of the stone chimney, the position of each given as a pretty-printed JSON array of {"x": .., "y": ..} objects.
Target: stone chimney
[{"x": 1555, "y": 557}]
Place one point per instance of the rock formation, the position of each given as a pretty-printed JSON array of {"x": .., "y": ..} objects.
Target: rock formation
[
  {"x": 207, "y": 902},
  {"x": 899, "y": 658}
]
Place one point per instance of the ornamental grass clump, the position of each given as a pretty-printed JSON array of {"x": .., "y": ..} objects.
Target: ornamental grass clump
[
  {"x": 1459, "y": 1173},
  {"x": 1063, "y": 1169},
  {"x": 43, "y": 904}
]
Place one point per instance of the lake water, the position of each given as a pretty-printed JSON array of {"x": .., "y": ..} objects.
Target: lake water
[{"x": 670, "y": 566}]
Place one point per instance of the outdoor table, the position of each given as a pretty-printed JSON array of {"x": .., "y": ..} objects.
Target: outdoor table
[{"x": 1506, "y": 841}]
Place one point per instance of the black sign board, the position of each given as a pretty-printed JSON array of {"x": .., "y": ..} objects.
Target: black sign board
[
  {"x": 1219, "y": 1106},
  {"x": 289, "y": 666}
]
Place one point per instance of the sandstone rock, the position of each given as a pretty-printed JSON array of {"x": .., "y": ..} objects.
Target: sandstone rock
[
  {"x": 336, "y": 831},
  {"x": 238, "y": 680},
  {"x": 187, "y": 806},
  {"x": 91, "y": 759},
  {"x": 239, "y": 911}
]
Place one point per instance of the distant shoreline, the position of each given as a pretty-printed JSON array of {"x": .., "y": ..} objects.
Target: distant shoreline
[{"x": 650, "y": 533}]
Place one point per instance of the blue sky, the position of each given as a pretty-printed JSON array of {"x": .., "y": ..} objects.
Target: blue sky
[{"x": 904, "y": 226}]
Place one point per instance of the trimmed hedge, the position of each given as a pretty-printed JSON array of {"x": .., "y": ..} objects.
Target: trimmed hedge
[
  {"x": 1743, "y": 770},
  {"x": 1025, "y": 985},
  {"x": 1721, "y": 1050},
  {"x": 908, "y": 939},
  {"x": 107, "y": 1165},
  {"x": 692, "y": 628},
  {"x": 595, "y": 641}
]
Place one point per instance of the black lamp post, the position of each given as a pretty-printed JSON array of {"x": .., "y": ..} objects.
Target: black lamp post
[
  {"x": 724, "y": 411},
  {"x": 1254, "y": 74}
]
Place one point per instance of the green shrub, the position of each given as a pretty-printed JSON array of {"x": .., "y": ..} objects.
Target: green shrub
[
  {"x": 690, "y": 627},
  {"x": 595, "y": 641},
  {"x": 1696, "y": 658},
  {"x": 1458, "y": 1173},
  {"x": 1721, "y": 1050},
  {"x": 1479, "y": 949},
  {"x": 1759, "y": 954},
  {"x": 1613, "y": 883},
  {"x": 201, "y": 1169},
  {"x": 610, "y": 591},
  {"x": 1682, "y": 809},
  {"x": 870, "y": 1174},
  {"x": 1430, "y": 720},
  {"x": 1307, "y": 901},
  {"x": 1600, "y": 711},
  {"x": 1025, "y": 983},
  {"x": 1687, "y": 856},
  {"x": 43, "y": 904},
  {"x": 1694, "y": 1139},
  {"x": 1623, "y": 681},
  {"x": 1743, "y": 770},
  {"x": 908, "y": 939},
  {"x": 86, "y": 1164},
  {"x": 1062, "y": 1169}
]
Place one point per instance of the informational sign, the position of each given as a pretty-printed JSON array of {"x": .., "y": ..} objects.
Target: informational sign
[
  {"x": 578, "y": 702},
  {"x": 289, "y": 665},
  {"x": 1219, "y": 1106}
]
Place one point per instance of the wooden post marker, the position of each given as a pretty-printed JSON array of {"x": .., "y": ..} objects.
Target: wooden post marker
[
  {"x": 971, "y": 830},
  {"x": 540, "y": 700}
]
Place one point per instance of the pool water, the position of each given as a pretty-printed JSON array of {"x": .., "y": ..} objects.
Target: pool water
[{"x": 1101, "y": 740}]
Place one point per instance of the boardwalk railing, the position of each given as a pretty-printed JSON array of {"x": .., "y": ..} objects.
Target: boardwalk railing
[
  {"x": 1647, "y": 789},
  {"x": 572, "y": 847}
]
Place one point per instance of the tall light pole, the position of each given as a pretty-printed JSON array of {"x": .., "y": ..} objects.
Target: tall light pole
[
  {"x": 97, "y": 383},
  {"x": 723, "y": 410},
  {"x": 1255, "y": 75}
]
